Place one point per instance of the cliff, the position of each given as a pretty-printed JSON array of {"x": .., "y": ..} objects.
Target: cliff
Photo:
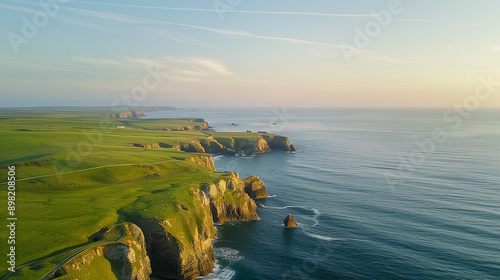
[
  {"x": 243, "y": 146},
  {"x": 180, "y": 247},
  {"x": 126, "y": 115},
  {"x": 177, "y": 257},
  {"x": 228, "y": 201},
  {"x": 202, "y": 125},
  {"x": 204, "y": 160},
  {"x": 255, "y": 188},
  {"x": 124, "y": 260},
  {"x": 177, "y": 235},
  {"x": 277, "y": 142}
]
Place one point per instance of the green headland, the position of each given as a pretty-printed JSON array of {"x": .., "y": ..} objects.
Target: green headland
[{"x": 104, "y": 196}]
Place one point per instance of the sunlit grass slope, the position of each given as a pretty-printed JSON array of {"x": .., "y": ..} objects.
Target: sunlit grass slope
[{"x": 79, "y": 172}]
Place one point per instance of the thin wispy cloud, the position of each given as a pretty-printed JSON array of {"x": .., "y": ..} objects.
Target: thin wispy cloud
[
  {"x": 105, "y": 15},
  {"x": 17, "y": 8},
  {"x": 112, "y": 16},
  {"x": 200, "y": 65},
  {"x": 227, "y": 32},
  {"x": 245, "y": 34},
  {"x": 228, "y": 11},
  {"x": 199, "y": 68},
  {"x": 239, "y": 11},
  {"x": 104, "y": 62}
]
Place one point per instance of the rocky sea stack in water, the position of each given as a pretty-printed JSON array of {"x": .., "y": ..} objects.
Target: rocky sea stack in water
[
  {"x": 255, "y": 188},
  {"x": 289, "y": 221}
]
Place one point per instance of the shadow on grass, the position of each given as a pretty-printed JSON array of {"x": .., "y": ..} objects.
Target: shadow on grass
[
  {"x": 23, "y": 159},
  {"x": 91, "y": 239}
]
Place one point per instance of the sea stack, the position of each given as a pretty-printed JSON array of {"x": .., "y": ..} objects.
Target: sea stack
[{"x": 289, "y": 221}]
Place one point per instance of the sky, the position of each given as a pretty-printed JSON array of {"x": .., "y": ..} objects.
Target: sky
[{"x": 241, "y": 53}]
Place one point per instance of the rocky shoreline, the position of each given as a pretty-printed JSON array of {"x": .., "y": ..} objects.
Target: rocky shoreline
[
  {"x": 152, "y": 247},
  {"x": 228, "y": 200},
  {"x": 169, "y": 253},
  {"x": 210, "y": 145}
]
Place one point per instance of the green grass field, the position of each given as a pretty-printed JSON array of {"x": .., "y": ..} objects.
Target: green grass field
[{"x": 77, "y": 173}]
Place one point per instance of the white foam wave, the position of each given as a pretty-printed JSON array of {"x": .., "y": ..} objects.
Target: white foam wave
[
  {"x": 271, "y": 196},
  {"x": 227, "y": 256},
  {"x": 219, "y": 273},
  {"x": 215, "y": 158},
  {"x": 321, "y": 237},
  {"x": 314, "y": 218}
]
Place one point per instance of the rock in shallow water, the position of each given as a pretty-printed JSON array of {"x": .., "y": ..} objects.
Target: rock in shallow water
[{"x": 289, "y": 221}]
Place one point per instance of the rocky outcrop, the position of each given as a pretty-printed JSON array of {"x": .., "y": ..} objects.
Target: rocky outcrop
[
  {"x": 126, "y": 115},
  {"x": 177, "y": 254},
  {"x": 190, "y": 147},
  {"x": 231, "y": 199},
  {"x": 211, "y": 146},
  {"x": 181, "y": 246},
  {"x": 255, "y": 188},
  {"x": 261, "y": 147},
  {"x": 228, "y": 202},
  {"x": 289, "y": 221},
  {"x": 204, "y": 160},
  {"x": 208, "y": 145},
  {"x": 173, "y": 258},
  {"x": 277, "y": 142},
  {"x": 128, "y": 258},
  {"x": 152, "y": 146},
  {"x": 200, "y": 124},
  {"x": 241, "y": 146}
]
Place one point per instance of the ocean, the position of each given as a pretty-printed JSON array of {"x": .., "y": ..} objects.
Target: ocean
[{"x": 377, "y": 194}]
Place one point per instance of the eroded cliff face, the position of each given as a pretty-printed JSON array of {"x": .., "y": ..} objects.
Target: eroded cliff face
[
  {"x": 237, "y": 146},
  {"x": 126, "y": 115},
  {"x": 173, "y": 259},
  {"x": 277, "y": 142},
  {"x": 228, "y": 202},
  {"x": 204, "y": 160},
  {"x": 255, "y": 188},
  {"x": 177, "y": 256},
  {"x": 208, "y": 145},
  {"x": 128, "y": 259},
  {"x": 201, "y": 126},
  {"x": 179, "y": 246}
]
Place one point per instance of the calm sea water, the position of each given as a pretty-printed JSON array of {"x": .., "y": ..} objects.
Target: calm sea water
[{"x": 371, "y": 203}]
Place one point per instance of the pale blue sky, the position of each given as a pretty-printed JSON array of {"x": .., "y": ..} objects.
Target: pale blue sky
[{"x": 257, "y": 53}]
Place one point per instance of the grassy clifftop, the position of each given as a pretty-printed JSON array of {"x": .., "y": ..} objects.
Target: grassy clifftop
[{"x": 78, "y": 173}]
